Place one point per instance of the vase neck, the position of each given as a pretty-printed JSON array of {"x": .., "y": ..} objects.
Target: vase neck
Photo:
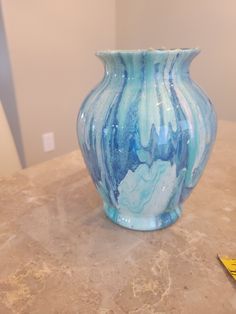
[{"x": 131, "y": 64}]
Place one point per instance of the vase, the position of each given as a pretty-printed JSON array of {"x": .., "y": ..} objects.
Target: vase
[{"x": 146, "y": 133}]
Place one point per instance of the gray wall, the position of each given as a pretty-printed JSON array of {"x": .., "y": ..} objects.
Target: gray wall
[
  {"x": 47, "y": 62},
  {"x": 7, "y": 92},
  {"x": 51, "y": 48}
]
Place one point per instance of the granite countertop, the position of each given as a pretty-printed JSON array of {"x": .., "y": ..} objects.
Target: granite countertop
[{"x": 60, "y": 254}]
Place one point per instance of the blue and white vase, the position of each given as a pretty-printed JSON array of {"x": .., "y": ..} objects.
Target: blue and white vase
[{"x": 146, "y": 132}]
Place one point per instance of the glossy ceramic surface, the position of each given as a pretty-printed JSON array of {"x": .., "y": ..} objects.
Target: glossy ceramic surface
[{"x": 146, "y": 132}]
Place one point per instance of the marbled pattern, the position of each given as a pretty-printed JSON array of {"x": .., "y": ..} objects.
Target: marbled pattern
[
  {"x": 146, "y": 132},
  {"x": 60, "y": 255}
]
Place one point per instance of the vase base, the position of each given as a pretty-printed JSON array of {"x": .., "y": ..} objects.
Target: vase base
[{"x": 148, "y": 223}]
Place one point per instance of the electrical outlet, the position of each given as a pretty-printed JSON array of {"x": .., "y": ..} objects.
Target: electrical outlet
[{"x": 48, "y": 142}]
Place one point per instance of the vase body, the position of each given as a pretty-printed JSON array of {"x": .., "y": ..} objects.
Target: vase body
[{"x": 146, "y": 132}]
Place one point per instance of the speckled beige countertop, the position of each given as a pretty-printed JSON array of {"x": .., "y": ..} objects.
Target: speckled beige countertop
[{"x": 59, "y": 254}]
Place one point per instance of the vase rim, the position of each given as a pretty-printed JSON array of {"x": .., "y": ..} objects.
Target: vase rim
[{"x": 150, "y": 50}]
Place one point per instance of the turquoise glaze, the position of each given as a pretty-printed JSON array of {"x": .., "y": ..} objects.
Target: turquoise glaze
[{"x": 146, "y": 132}]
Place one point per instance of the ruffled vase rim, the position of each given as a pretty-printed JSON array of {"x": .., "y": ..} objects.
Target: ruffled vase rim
[{"x": 149, "y": 51}]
